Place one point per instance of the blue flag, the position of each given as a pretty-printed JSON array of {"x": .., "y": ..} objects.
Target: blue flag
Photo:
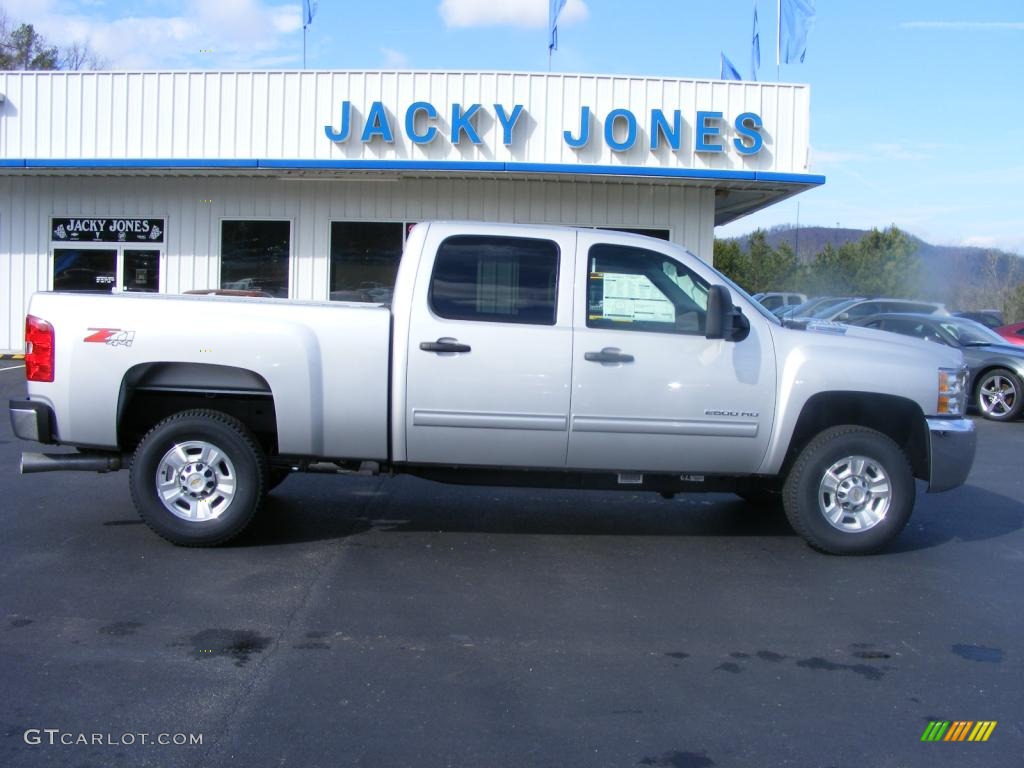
[
  {"x": 729, "y": 72},
  {"x": 309, "y": 8},
  {"x": 554, "y": 8},
  {"x": 796, "y": 18},
  {"x": 755, "y": 48}
]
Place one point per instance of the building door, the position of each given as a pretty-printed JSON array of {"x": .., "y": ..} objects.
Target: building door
[{"x": 140, "y": 270}]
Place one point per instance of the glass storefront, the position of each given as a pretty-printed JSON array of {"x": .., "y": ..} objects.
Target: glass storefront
[
  {"x": 364, "y": 259},
  {"x": 85, "y": 269},
  {"x": 255, "y": 255},
  {"x": 107, "y": 254}
]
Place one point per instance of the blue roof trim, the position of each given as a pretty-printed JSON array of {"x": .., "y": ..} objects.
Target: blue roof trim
[
  {"x": 175, "y": 162},
  {"x": 385, "y": 165},
  {"x": 767, "y": 177},
  {"x": 790, "y": 178}
]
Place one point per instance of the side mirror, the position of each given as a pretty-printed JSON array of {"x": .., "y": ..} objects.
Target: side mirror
[
  {"x": 724, "y": 320},
  {"x": 842, "y": 318}
]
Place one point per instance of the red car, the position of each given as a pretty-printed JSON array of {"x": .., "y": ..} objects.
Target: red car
[{"x": 1014, "y": 334}]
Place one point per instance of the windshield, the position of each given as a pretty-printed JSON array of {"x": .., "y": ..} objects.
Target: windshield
[
  {"x": 969, "y": 332},
  {"x": 757, "y": 304}
]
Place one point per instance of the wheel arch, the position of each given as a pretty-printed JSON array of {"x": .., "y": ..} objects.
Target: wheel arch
[
  {"x": 899, "y": 418},
  {"x": 152, "y": 391}
]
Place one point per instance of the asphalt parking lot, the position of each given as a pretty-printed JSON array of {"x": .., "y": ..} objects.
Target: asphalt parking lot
[{"x": 394, "y": 622}]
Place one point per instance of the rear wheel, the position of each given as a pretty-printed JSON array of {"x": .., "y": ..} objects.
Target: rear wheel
[
  {"x": 850, "y": 491},
  {"x": 197, "y": 478},
  {"x": 1000, "y": 395}
]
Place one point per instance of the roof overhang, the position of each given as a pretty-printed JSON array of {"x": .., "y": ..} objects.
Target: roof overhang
[{"x": 736, "y": 192}]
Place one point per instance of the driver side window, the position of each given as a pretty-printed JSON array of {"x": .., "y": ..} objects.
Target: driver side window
[{"x": 636, "y": 289}]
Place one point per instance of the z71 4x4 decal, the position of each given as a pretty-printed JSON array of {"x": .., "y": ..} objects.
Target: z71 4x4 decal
[{"x": 113, "y": 337}]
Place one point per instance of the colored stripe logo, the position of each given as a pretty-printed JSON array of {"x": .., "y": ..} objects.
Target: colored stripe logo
[{"x": 958, "y": 730}]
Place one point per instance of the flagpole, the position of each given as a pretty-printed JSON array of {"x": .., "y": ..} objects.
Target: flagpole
[
  {"x": 778, "y": 39},
  {"x": 303, "y": 46}
]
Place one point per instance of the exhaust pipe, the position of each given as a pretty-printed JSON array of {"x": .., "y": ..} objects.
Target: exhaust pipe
[{"x": 60, "y": 462}]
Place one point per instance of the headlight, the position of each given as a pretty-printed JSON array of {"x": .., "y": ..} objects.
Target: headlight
[{"x": 952, "y": 391}]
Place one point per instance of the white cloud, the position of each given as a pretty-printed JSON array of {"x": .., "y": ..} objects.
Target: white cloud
[
  {"x": 507, "y": 13},
  {"x": 394, "y": 59},
  {"x": 965, "y": 25},
  {"x": 238, "y": 33}
]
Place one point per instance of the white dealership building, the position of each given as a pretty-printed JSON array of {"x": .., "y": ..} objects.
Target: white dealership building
[{"x": 304, "y": 184}]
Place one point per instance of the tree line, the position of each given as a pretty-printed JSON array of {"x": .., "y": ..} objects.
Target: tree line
[
  {"x": 881, "y": 263},
  {"x": 22, "y": 48}
]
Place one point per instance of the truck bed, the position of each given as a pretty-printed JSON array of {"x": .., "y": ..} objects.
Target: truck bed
[{"x": 326, "y": 363}]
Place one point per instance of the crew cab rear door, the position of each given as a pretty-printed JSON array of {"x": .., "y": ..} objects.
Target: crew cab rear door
[
  {"x": 490, "y": 348},
  {"x": 650, "y": 392}
]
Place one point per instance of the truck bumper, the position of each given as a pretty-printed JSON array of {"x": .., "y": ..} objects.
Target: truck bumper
[
  {"x": 951, "y": 446},
  {"x": 32, "y": 421}
]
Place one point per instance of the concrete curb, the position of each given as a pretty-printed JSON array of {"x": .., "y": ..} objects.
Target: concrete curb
[{"x": 4, "y": 356}]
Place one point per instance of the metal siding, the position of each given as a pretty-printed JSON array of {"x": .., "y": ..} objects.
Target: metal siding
[{"x": 281, "y": 115}]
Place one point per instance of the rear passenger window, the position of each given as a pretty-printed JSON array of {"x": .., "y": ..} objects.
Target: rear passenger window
[{"x": 495, "y": 279}]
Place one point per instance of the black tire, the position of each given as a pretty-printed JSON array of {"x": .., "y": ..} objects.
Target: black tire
[
  {"x": 1012, "y": 395},
  {"x": 275, "y": 476},
  {"x": 801, "y": 491},
  {"x": 242, "y": 467}
]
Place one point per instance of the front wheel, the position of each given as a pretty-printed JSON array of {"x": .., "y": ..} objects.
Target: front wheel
[
  {"x": 850, "y": 491},
  {"x": 197, "y": 478},
  {"x": 1000, "y": 395}
]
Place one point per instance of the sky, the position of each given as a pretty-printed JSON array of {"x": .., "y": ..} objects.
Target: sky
[{"x": 917, "y": 108}]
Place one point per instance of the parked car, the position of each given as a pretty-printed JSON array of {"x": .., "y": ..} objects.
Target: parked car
[
  {"x": 1012, "y": 334},
  {"x": 819, "y": 304},
  {"x": 996, "y": 370},
  {"x": 510, "y": 355},
  {"x": 990, "y": 318},
  {"x": 773, "y": 299},
  {"x": 855, "y": 309}
]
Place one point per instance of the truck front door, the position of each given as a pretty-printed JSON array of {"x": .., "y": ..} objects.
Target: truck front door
[
  {"x": 490, "y": 350},
  {"x": 650, "y": 392}
]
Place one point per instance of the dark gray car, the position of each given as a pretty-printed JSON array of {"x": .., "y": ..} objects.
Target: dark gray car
[
  {"x": 851, "y": 311},
  {"x": 996, "y": 380}
]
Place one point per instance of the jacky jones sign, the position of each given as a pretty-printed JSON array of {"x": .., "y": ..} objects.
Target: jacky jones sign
[{"x": 621, "y": 127}]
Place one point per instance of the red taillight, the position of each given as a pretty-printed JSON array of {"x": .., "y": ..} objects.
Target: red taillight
[{"x": 38, "y": 349}]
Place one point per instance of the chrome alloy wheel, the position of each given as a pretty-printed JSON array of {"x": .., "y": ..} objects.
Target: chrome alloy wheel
[
  {"x": 997, "y": 395},
  {"x": 195, "y": 481},
  {"x": 854, "y": 494}
]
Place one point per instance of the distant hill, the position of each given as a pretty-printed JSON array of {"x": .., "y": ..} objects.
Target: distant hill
[{"x": 943, "y": 266}]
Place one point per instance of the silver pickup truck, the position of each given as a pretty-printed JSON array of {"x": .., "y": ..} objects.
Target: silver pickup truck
[{"x": 509, "y": 356}]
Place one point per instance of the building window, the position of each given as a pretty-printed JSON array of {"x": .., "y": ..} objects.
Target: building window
[
  {"x": 364, "y": 259},
  {"x": 496, "y": 279},
  {"x": 254, "y": 256},
  {"x": 633, "y": 289},
  {"x": 84, "y": 269}
]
